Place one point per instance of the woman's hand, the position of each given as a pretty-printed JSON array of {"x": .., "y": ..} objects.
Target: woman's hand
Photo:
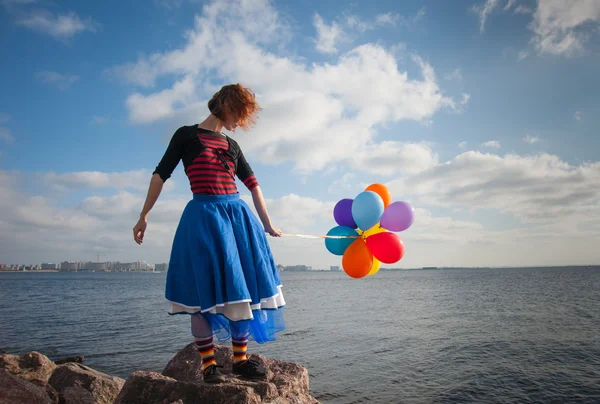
[
  {"x": 273, "y": 231},
  {"x": 139, "y": 229}
]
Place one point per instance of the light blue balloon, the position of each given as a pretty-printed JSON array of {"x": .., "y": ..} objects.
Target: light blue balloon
[
  {"x": 338, "y": 246},
  {"x": 367, "y": 209}
]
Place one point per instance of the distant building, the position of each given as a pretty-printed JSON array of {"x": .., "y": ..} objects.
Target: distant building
[
  {"x": 298, "y": 268},
  {"x": 96, "y": 266},
  {"x": 161, "y": 267},
  {"x": 334, "y": 268},
  {"x": 49, "y": 266},
  {"x": 69, "y": 266}
]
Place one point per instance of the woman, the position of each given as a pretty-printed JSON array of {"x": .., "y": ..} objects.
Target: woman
[{"x": 221, "y": 270}]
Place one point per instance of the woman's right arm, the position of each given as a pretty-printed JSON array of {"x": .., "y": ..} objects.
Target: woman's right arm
[
  {"x": 154, "y": 190},
  {"x": 163, "y": 171}
]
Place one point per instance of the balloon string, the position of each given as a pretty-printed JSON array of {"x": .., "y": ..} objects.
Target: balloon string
[{"x": 312, "y": 236}]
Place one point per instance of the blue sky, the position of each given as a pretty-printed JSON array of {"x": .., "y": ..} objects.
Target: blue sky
[{"x": 483, "y": 114}]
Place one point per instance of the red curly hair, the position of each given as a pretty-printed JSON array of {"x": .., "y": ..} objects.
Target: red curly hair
[{"x": 235, "y": 99}]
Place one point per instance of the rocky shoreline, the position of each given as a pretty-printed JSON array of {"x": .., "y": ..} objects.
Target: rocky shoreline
[{"x": 33, "y": 378}]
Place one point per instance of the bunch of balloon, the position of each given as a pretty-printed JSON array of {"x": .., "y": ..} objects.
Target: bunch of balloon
[{"x": 364, "y": 235}]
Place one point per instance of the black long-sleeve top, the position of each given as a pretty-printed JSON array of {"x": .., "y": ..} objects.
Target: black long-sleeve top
[{"x": 211, "y": 161}]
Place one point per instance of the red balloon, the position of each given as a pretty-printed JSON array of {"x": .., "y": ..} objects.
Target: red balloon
[{"x": 386, "y": 247}]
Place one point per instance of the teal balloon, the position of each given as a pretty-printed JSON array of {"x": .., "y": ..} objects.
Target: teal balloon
[
  {"x": 337, "y": 246},
  {"x": 367, "y": 209}
]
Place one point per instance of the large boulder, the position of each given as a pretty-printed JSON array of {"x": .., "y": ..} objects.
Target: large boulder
[
  {"x": 149, "y": 387},
  {"x": 31, "y": 366},
  {"x": 77, "y": 377},
  {"x": 286, "y": 382},
  {"x": 14, "y": 390}
]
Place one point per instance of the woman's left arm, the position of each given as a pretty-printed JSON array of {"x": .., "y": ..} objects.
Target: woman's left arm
[
  {"x": 261, "y": 208},
  {"x": 246, "y": 175}
]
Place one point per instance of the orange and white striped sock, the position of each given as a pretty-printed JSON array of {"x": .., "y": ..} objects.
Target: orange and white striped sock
[
  {"x": 240, "y": 346},
  {"x": 207, "y": 351}
]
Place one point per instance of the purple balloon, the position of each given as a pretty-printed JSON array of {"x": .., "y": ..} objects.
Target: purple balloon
[
  {"x": 342, "y": 213},
  {"x": 398, "y": 216}
]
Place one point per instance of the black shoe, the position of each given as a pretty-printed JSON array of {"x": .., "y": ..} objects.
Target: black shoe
[
  {"x": 212, "y": 374},
  {"x": 250, "y": 368}
]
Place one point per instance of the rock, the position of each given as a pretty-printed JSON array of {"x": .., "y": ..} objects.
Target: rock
[
  {"x": 33, "y": 378},
  {"x": 103, "y": 388},
  {"x": 149, "y": 387},
  {"x": 75, "y": 359},
  {"x": 285, "y": 382},
  {"x": 186, "y": 365},
  {"x": 14, "y": 390},
  {"x": 52, "y": 394},
  {"x": 77, "y": 395},
  {"x": 31, "y": 366}
]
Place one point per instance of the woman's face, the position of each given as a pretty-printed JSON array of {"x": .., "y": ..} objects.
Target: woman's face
[{"x": 231, "y": 121}]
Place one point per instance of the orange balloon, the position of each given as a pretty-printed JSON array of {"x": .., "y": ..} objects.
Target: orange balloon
[
  {"x": 382, "y": 191},
  {"x": 357, "y": 259}
]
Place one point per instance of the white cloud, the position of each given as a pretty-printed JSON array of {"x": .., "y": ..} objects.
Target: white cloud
[
  {"x": 533, "y": 188},
  {"x": 387, "y": 18},
  {"x": 394, "y": 19},
  {"x": 559, "y": 27},
  {"x": 455, "y": 75},
  {"x": 493, "y": 144},
  {"x": 577, "y": 116},
  {"x": 523, "y": 9},
  {"x": 562, "y": 28},
  {"x": 343, "y": 184},
  {"x": 39, "y": 228},
  {"x": 462, "y": 145},
  {"x": 129, "y": 180},
  {"x": 389, "y": 158},
  {"x": 345, "y": 99},
  {"x": 558, "y": 201},
  {"x": 523, "y": 55},
  {"x": 484, "y": 10},
  {"x": 58, "y": 26},
  {"x": 328, "y": 36},
  {"x": 509, "y": 5},
  {"x": 341, "y": 31},
  {"x": 296, "y": 214},
  {"x": 531, "y": 139},
  {"x": 62, "y": 81}
]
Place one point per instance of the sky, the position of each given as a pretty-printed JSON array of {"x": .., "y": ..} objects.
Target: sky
[{"x": 482, "y": 114}]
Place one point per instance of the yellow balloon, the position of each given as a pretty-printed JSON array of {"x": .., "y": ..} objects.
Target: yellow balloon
[
  {"x": 375, "y": 267},
  {"x": 373, "y": 230}
]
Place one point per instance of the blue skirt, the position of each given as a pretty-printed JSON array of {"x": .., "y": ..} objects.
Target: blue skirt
[{"x": 222, "y": 268}]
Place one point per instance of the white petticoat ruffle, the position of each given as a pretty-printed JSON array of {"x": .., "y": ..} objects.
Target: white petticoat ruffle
[{"x": 235, "y": 311}]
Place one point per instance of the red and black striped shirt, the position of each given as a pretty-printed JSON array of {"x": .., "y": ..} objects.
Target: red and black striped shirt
[{"x": 204, "y": 157}]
